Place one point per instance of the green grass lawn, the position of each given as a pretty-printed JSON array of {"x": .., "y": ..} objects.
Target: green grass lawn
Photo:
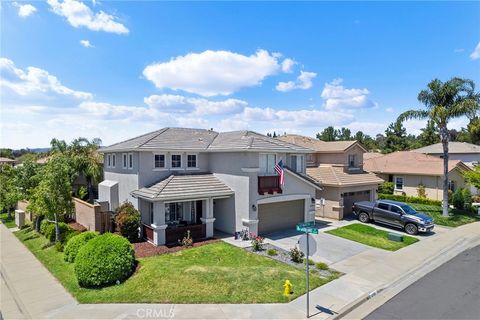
[
  {"x": 371, "y": 236},
  {"x": 456, "y": 218},
  {"x": 214, "y": 273},
  {"x": 9, "y": 223}
]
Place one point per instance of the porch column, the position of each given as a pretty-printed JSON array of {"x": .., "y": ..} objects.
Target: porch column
[
  {"x": 159, "y": 225},
  {"x": 207, "y": 218}
]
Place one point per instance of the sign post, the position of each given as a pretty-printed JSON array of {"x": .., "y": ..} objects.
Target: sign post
[{"x": 308, "y": 246}]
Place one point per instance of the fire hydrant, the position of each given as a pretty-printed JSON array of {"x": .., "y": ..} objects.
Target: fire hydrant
[{"x": 287, "y": 288}]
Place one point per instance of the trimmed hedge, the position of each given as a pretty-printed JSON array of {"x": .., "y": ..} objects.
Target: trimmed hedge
[
  {"x": 104, "y": 260},
  {"x": 75, "y": 243},
  {"x": 64, "y": 228},
  {"x": 397, "y": 197}
]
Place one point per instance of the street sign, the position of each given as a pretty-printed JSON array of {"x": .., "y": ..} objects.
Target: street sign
[
  {"x": 312, "y": 244},
  {"x": 307, "y": 229}
]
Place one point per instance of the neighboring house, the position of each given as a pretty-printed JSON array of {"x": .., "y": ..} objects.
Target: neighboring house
[
  {"x": 337, "y": 167},
  {"x": 409, "y": 170},
  {"x": 466, "y": 152},
  {"x": 370, "y": 155},
  {"x": 201, "y": 180},
  {"x": 7, "y": 161}
]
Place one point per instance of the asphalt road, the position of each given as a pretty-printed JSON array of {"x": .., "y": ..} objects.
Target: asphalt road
[{"x": 452, "y": 291}]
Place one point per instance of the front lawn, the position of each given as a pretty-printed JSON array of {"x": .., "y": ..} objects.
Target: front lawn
[
  {"x": 214, "y": 273},
  {"x": 371, "y": 236},
  {"x": 456, "y": 218},
  {"x": 9, "y": 223}
]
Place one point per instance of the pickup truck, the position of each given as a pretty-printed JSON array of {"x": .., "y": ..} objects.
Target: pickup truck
[{"x": 395, "y": 214}]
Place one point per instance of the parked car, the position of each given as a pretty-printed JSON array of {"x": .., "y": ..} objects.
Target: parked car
[{"x": 395, "y": 214}]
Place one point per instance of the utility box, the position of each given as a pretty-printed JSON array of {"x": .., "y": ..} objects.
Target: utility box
[
  {"x": 395, "y": 237},
  {"x": 19, "y": 218}
]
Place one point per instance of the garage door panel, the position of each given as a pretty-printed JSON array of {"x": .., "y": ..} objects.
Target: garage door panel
[
  {"x": 350, "y": 198},
  {"x": 280, "y": 215}
]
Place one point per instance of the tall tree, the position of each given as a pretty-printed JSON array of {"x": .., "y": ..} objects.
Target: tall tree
[
  {"x": 345, "y": 134},
  {"x": 445, "y": 101},
  {"x": 429, "y": 134},
  {"x": 9, "y": 193},
  {"x": 328, "y": 134},
  {"x": 473, "y": 176},
  {"x": 395, "y": 138},
  {"x": 27, "y": 178},
  {"x": 53, "y": 195}
]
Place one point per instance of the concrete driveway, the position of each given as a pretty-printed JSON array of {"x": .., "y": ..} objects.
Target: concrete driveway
[{"x": 330, "y": 249}]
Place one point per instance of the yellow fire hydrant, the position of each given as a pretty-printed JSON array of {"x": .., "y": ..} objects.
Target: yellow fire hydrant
[{"x": 287, "y": 288}]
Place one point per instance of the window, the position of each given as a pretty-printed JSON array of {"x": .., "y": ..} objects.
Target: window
[
  {"x": 159, "y": 161},
  {"x": 352, "y": 160},
  {"x": 191, "y": 161},
  {"x": 151, "y": 212},
  {"x": 124, "y": 160},
  {"x": 395, "y": 209},
  {"x": 451, "y": 185},
  {"x": 176, "y": 161},
  {"x": 109, "y": 160},
  {"x": 298, "y": 163},
  {"x": 398, "y": 183},
  {"x": 114, "y": 160},
  {"x": 383, "y": 206},
  {"x": 130, "y": 161},
  {"x": 173, "y": 212},
  {"x": 267, "y": 163}
]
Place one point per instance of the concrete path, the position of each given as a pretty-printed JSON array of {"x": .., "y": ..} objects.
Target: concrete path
[{"x": 33, "y": 293}]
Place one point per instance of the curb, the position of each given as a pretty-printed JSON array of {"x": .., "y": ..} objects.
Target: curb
[{"x": 438, "y": 257}]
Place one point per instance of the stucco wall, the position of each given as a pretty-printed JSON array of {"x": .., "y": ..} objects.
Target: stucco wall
[
  {"x": 224, "y": 213},
  {"x": 127, "y": 182},
  {"x": 87, "y": 214}
]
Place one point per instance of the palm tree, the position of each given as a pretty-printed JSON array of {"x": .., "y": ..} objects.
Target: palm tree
[{"x": 445, "y": 101}]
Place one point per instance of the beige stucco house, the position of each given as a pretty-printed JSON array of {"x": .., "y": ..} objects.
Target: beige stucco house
[
  {"x": 337, "y": 167},
  {"x": 468, "y": 153},
  {"x": 409, "y": 170}
]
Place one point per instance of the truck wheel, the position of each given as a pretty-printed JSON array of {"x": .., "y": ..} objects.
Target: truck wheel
[
  {"x": 410, "y": 228},
  {"x": 363, "y": 217}
]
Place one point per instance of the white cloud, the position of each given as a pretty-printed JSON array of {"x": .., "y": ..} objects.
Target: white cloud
[
  {"x": 197, "y": 106},
  {"x": 287, "y": 65},
  {"x": 476, "y": 52},
  {"x": 337, "y": 97},
  {"x": 212, "y": 73},
  {"x": 303, "y": 82},
  {"x": 389, "y": 109},
  {"x": 458, "y": 50},
  {"x": 79, "y": 15},
  {"x": 25, "y": 10},
  {"x": 34, "y": 80},
  {"x": 86, "y": 43}
]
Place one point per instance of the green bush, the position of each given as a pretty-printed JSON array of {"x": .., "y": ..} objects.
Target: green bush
[
  {"x": 104, "y": 260},
  {"x": 43, "y": 226},
  {"x": 386, "y": 188},
  {"x": 272, "y": 252},
  {"x": 296, "y": 255},
  {"x": 467, "y": 198},
  {"x": 458, "y": 200},
  {"x": 397, "y": 197},
  {"x": 75, "y": 243},
  {"x": 309, "y": 261},
  {"x": 322, "y": 266},
  {"x": 64, "y": 228},
  {"x": 128, "y": 221}
]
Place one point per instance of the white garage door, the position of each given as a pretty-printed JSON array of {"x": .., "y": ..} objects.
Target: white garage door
[{"x": 280, "y": 215}]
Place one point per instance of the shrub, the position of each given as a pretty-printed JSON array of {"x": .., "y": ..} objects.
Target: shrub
[
  {"x": 467, "y": 198},
  {"x": 75, "y": 243},
  {"x": 421, "y": 191},
  {"x": 272, "y": 252},
  {"x": 64, "y": 228},
  {"x": 386, "y": 188},
  {"x": 104, "y": 260},
  {"x": 410, "y": 199},
  {"x": 309, "y": 261},
  {"x": 322, "y": 266},
  {"x": 37, "y": 221},
  {"x": 59, "y": 246},
  {"x": 457, "y": 200},
  {"x": 128, "y": 221},
  {"x": 187, "y": 241},
  {"x": 43, "y": 226},
  {"x": 257, "y": 243},
  {"x": 296, "y": 255}
]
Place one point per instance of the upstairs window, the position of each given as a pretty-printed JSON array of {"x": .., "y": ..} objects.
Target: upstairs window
[
  {"x": 124, "y": 161},
  {"x": 398, "y": 183},
  {"x": 159, "y": 161},
  {"x": 297, "y": 163},
  {"x": 451, "y": 185},
  {"x": 114, "y": 160},
  {"x": 176, "y": 161},
  {"x": 130, "y": 161},
  {"x": 352, "y": 160},
  {"x": 191, "y": 161},
  {"x": 109, "y": 160},
  {"x": 267, "y": 163}
]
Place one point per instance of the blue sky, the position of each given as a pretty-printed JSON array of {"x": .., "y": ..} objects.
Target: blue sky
[{"x": 118, "y": 69}]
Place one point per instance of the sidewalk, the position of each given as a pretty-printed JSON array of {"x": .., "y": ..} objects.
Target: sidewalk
[{"x": 26, "y": 280}]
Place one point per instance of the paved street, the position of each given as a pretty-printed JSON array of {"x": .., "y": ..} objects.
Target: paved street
[{"x": 452, "y": 291}]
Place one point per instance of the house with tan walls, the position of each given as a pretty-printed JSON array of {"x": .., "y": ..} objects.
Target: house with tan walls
[
  {"x": 468, "y": 153},
  {"x": 337, "y": 167},
  {"x": 202, "y": 181},
  {"x": 408, "y": 170}
]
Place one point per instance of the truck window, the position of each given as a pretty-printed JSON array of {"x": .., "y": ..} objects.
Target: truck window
[
  {"x": 395, "y": 209},
  {"x": 383, "y": 206}
]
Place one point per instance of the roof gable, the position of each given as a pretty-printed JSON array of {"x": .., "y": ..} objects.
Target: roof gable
[
  {"x": 320, "y": 146},
  {"x": 453, "y": 147}
]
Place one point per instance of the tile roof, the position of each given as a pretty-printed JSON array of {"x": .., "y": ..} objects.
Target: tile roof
[
  {"x": 318, "y": 145},
  {"x": 453, "y": 147},
  {"x": 331, "y": 175},
  {"x": 204, "y": 140},
  {"x": 408, "y": 162},
  {"x": 6, "y": 160},
  {"x": 184, "y": 187},
  {"x": 370, "y": 155}
]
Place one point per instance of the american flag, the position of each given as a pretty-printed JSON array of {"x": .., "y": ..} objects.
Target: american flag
[{"x": 279, "y": 169}]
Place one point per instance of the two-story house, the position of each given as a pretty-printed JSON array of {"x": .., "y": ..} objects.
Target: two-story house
[
  {"x": 337, "y": 167},
  {"x": 201, "y": 180}
]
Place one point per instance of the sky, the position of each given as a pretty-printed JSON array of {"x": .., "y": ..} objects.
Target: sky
[{"x": 118, "y": 69}]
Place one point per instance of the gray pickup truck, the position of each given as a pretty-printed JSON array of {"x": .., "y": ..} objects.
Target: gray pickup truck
[{"x": 395, "y": 214}]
